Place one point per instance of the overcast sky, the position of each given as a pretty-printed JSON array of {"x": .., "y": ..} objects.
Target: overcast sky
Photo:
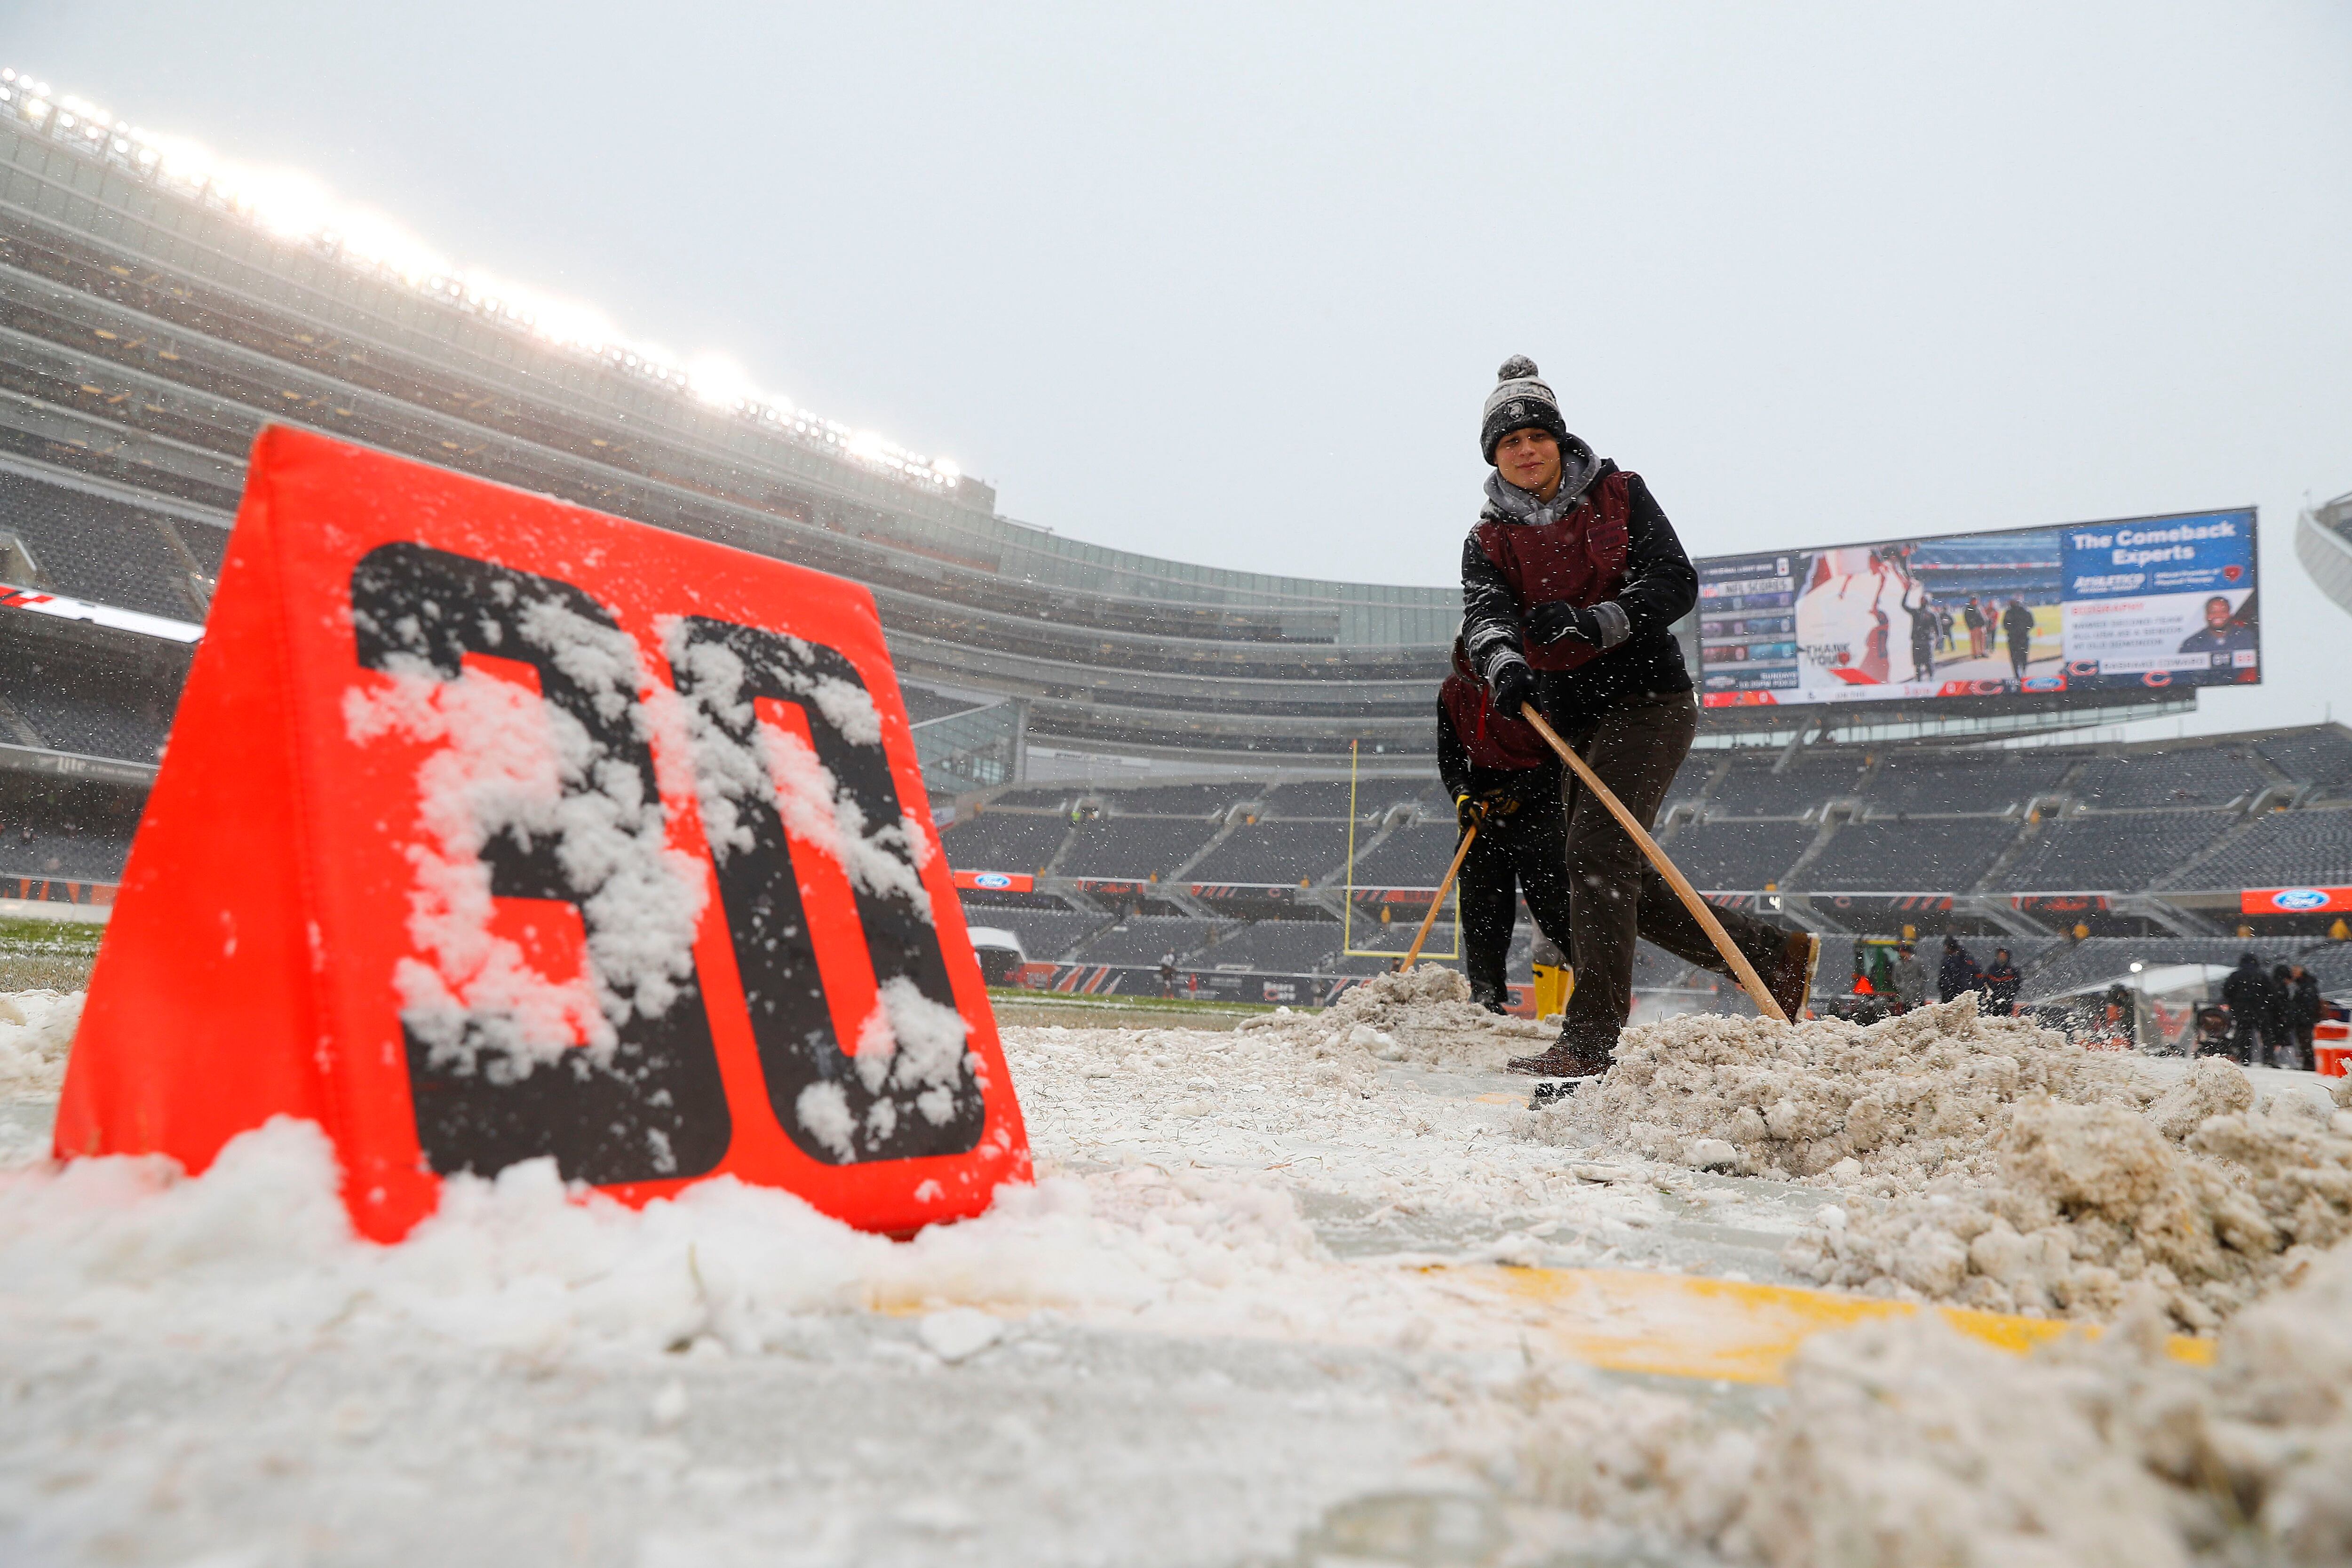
[{"x": 1229, "y": 283}]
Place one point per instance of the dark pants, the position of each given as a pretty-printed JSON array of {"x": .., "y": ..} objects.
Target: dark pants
[
  {"x": 2245, "y": 1043},
  {"x": 1523, "y": 850},
  {"x": 2304, "y": 1048},
  {"x": 1635, "y": 749}
]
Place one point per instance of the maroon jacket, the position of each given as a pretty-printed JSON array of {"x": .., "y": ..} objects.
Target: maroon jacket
[{"x": 1580, "y": 560}]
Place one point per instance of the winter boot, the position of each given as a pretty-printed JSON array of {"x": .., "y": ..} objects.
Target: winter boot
[
  {"x": 1791, "y": 979},
  {"x": 1566, "y": 1058}
]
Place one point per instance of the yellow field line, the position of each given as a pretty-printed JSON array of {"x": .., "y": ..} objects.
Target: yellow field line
[{"x": 1682, "y": 1325}]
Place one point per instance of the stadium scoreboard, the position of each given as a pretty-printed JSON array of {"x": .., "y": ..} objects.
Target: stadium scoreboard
[{"x": 2141, "y": 604}]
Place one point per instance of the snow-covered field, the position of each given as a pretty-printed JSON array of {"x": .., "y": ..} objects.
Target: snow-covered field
[{"x": 1246, "y": 1315}]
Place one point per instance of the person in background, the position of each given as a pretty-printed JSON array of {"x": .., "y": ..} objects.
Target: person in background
[
  {"x": 2304, "y": 1008},
  {"x": 1168, "y": 975},
  {"x": 1944, "y": 621},
  {"x": 2278, "y": 1032},
  {"x": 1959, "y": 970},
  {"x": 2018, "y": 622},
  {"x": 1910, "y": 979},
  {"x": 2212, "y": 1032},
  {"x": 2003, "y": 982},
  {"x": 1571, "y": 577},
  {"x": 2221, "y": 632},
  {"x": 1923, "y": 638},
  {"x": 1973, "y": 614},
  {"x": 2247, "y": 994},
  {"x": 1504, "y": 781}
]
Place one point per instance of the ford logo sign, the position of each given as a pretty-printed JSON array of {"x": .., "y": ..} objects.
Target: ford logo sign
[
  {"x": 991, "y": 880},
  {"x": 2299, "y": 899}
]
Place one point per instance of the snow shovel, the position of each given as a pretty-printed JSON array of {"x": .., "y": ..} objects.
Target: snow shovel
[{"x": 1750, "y": 980}]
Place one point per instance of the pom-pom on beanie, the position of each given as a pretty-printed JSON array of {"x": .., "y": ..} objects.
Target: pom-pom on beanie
[{"x": 1519, "y": 401}]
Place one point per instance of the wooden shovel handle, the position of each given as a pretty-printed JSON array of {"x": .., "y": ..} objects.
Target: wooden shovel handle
[{"x": 1437, "y": 903}]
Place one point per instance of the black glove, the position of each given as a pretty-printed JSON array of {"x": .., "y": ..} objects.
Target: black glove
[
  {"x": 1468, "y": 813},
  {"x": 1515, "y": 684},
  {"x": 1603, "y": 626}
]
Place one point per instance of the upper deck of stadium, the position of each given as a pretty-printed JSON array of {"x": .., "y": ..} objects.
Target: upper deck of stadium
[{"x": 152, "y": 322}]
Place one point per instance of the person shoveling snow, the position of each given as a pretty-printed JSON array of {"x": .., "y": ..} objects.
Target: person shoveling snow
[{"x": 1571, "y": 578}]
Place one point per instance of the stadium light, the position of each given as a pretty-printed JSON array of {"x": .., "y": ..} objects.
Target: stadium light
[{"x": 292, "y": 207}]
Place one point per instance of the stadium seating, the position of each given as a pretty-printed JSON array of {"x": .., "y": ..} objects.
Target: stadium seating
[
  {"x": 2105, "y": 850},
  {"x": 1736, "y": 856},
  {"x": 1134, "y": 847},
  {"x": 1279, "y": 947},
  {"x": 1003, "y": 841},
  {"x": 2322, "y": 757},
  {"x": 1046, "y": 934},
  {"x": 1414, "y": 856},
  {"x": 1384, "y": 944},
  {"x": 1275, "y": 853},
  {"x": 1146, "y": 939},
  {"x": 2189, "y": 777},
  {"x": 89, "y": 547},
  {"x": 2277, "y": 849},
  {"x": 1923, "y": 856},
  {"x": 76, "y": 831},
  {"x": 1946, "y": 782},
  {"x": 82, "y": 702},
  {"x": 1194, "y": 801},
  {"x": 1753, "y": 789},
  {"x": 1328, "y": 798}
]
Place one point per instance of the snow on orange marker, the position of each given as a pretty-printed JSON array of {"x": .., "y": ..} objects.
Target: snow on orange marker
[{"x": 494, "y": 829}]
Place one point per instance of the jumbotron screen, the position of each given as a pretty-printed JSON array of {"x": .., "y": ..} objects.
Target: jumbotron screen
[{"x": 2145, "y": 603}]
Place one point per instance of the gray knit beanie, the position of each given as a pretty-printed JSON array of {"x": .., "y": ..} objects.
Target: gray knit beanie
[{"x": 1519, "y": 401}]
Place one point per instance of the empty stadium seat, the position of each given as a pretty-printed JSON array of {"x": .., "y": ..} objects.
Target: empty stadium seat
[
  {"x": 1145, "y": 939},
  {"x": 1046, "y": 934},
  {"x": 2322, "y": 757},
  {"x": 1753, "y": 789},
  {"x": 1414, "y": 856},
  {"x": 1738, "y": 856},
  {"x": 2276, "y": 849},
  {"x": 1134, "y": 847},
  {"x": 1270, "y": 853},
  {"x": 1928, "y": 856},
  {"x": 90, "y": 547},
  {"x": 2112, "y": 851},
  {"x": 2190, "y": 776},
  {"x": 1003, "y": 841},
  {"x": 1330, "y": 797},
  {"x": 1278, "y": 947},
  {"x": 1973, "y": 783}
]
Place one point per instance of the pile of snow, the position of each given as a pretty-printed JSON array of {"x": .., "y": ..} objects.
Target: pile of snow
[
  {"x": 1987, "y": 1161},
  {"x": 1422, "y": 1015},
  {"x": 36, "y": 1029},
  {"x": 2202, "y": 1198},
  {"x": 1902, "y": 1442},
  {"x": 1924, "y": 1094},
  {"x": 258, "y": 1251}
]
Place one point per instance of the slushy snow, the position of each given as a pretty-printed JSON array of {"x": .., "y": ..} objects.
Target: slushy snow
[{"x": 1209, "y": 1333}]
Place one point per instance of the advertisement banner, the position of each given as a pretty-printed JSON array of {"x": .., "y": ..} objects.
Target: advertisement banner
[
  {"x": 997, "y": 881},
  {"x": 2150, "y": 602},
  {"x": 2295, "y": 901}
]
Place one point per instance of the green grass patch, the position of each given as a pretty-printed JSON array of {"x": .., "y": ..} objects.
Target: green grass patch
[{"x": 46, "y": 955}]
